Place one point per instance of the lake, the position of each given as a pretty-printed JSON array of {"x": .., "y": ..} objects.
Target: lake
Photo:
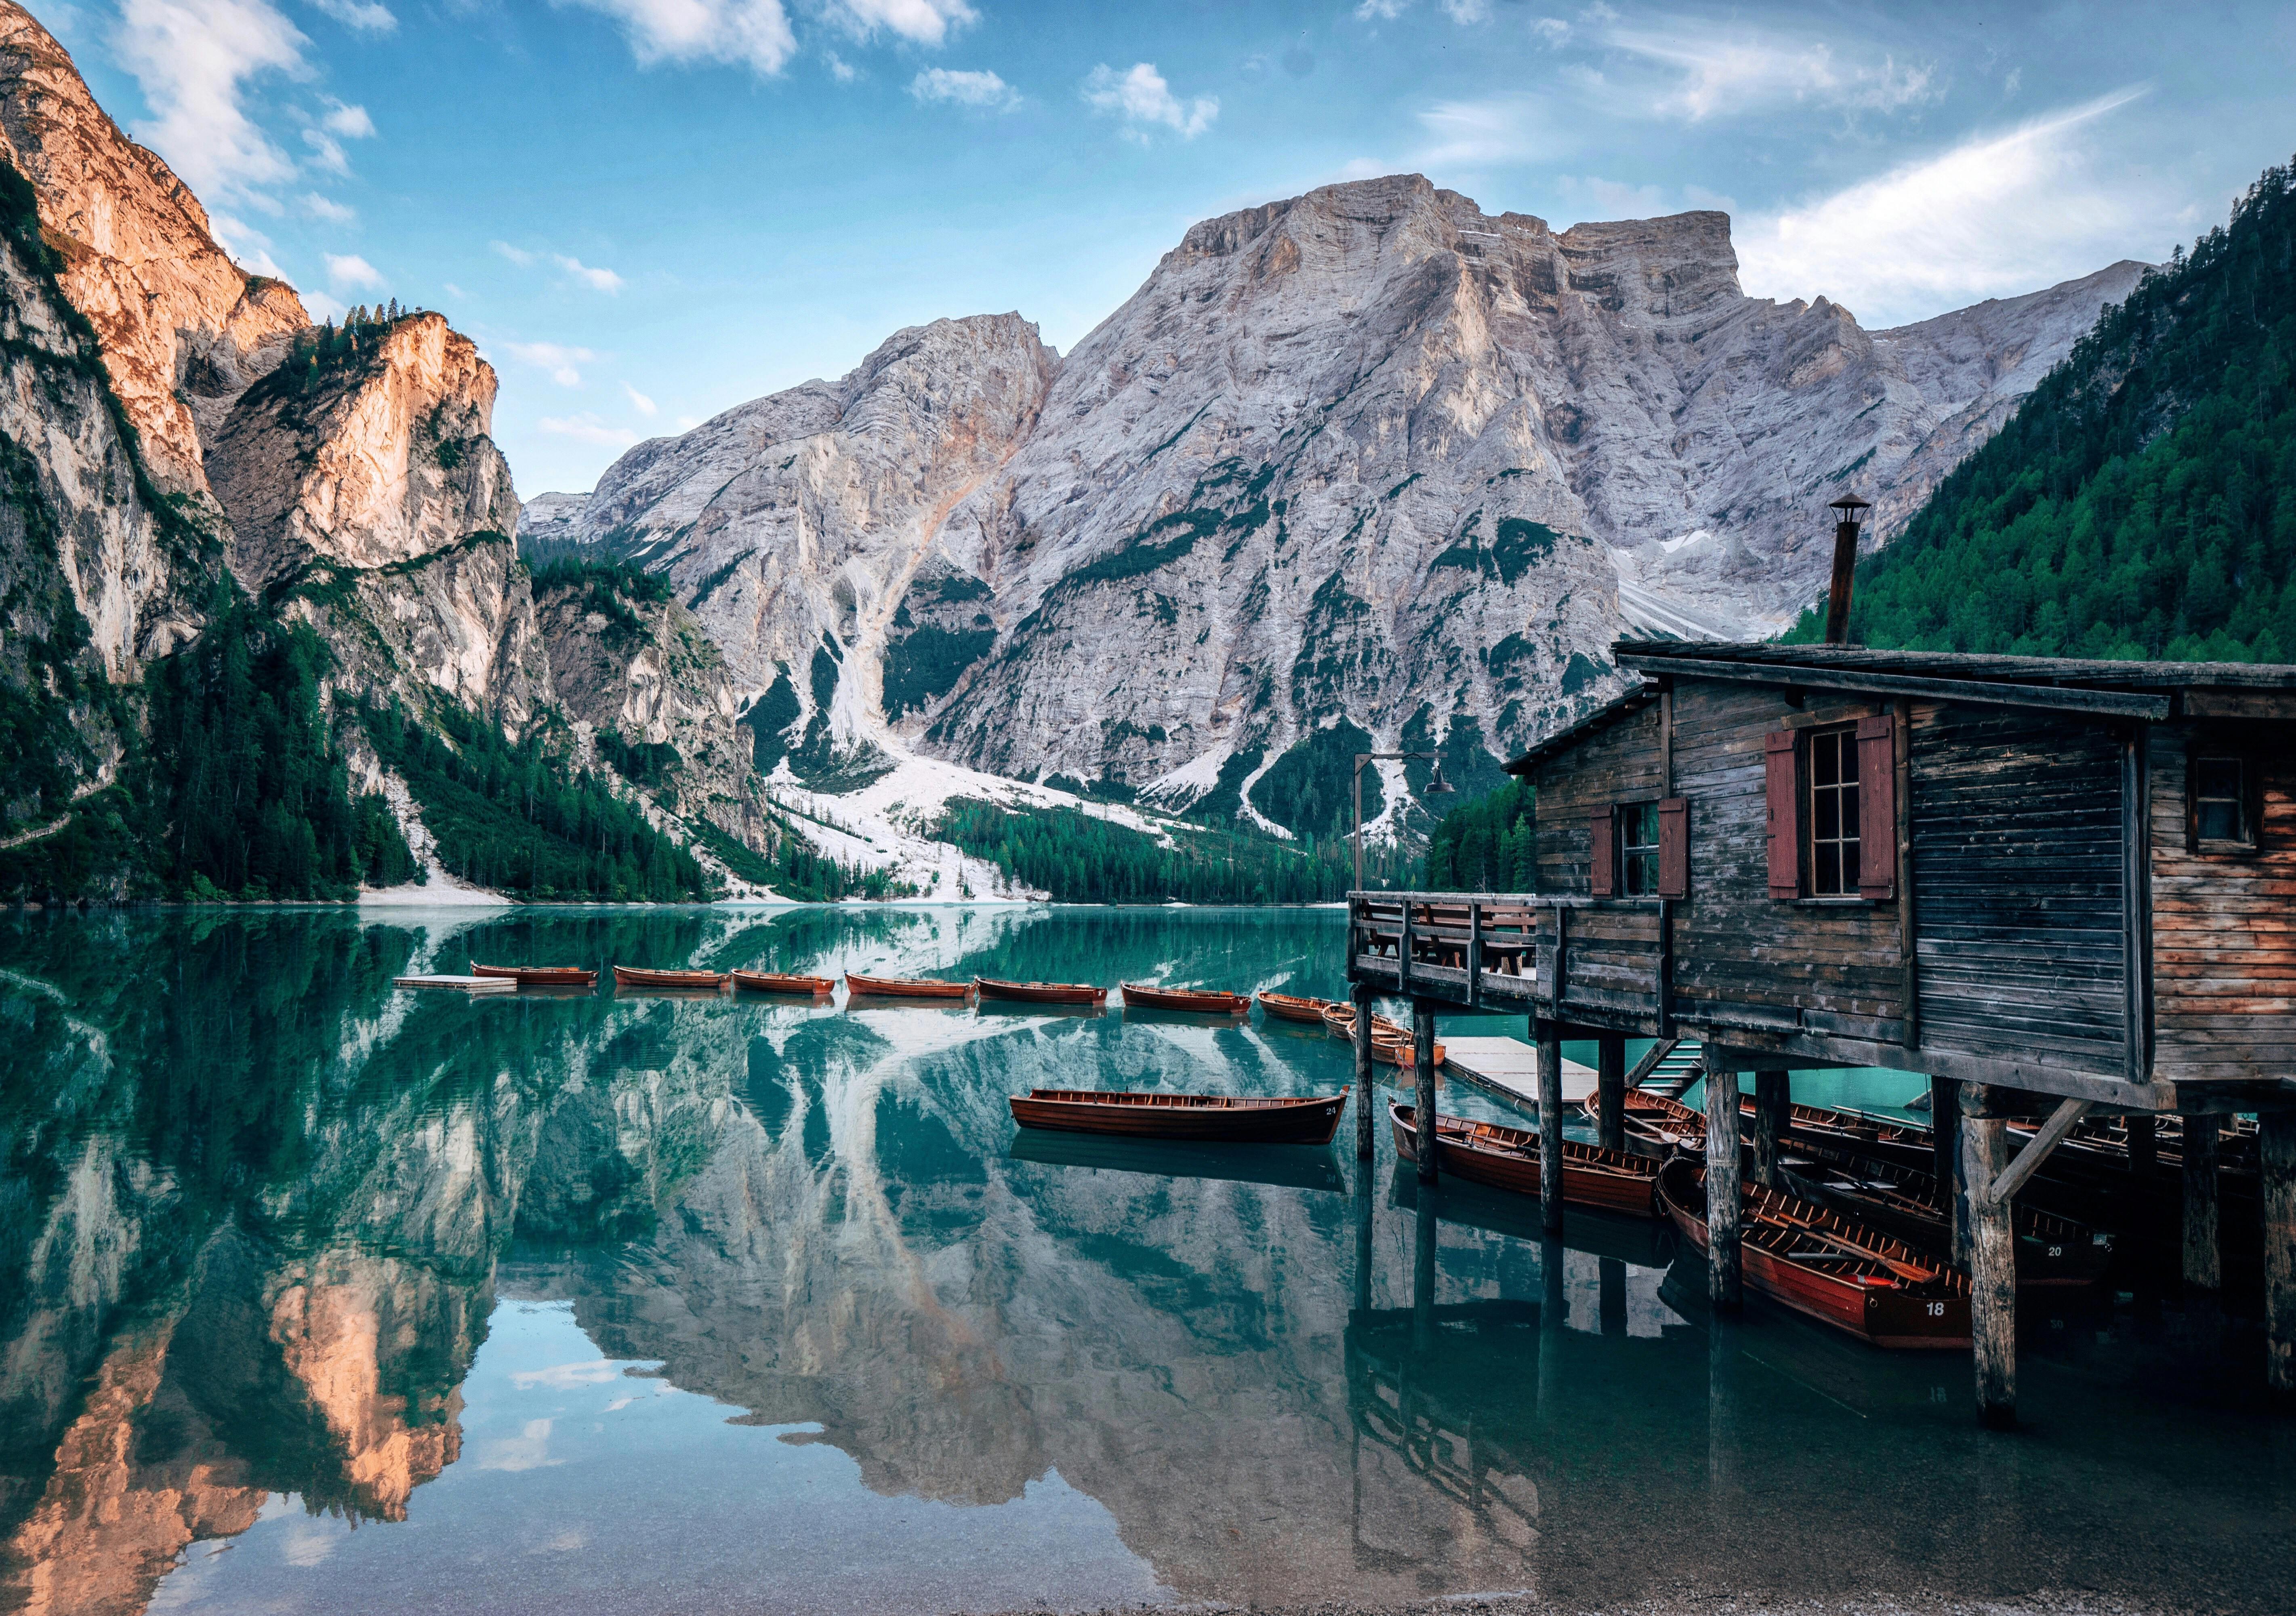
[{"x": 318, "y": 1296}]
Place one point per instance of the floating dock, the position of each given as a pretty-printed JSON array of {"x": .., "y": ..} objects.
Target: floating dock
[
  {"x": 466, "y": 984},
  {"x": 1508, "y": 1068}
]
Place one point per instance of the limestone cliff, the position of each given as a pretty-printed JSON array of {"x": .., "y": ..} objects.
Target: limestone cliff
[{"x": 1369, "y": 454}]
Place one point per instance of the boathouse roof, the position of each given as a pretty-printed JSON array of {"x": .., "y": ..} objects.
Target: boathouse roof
[{"x": 2154, "y": 690}]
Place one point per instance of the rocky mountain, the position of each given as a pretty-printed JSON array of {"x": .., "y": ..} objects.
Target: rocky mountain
[
  {"x": 182, "y": 448},
  {"x": 1369, "y": 457}
]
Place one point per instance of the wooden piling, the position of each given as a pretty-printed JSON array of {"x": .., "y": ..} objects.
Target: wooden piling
[
  {"x": 1724, "y": 1287},
  {"x": 1772, "y": 1097},
  {"x": 1550, "y": 1127},
  {"x": 1610, "y": 1089},
  {"x": 1366, "y": 1085},
  {"x": 1992, "y": 1257},
  {"x": 2204, "y": 1249},
  {"x": 2144, "y": 1145},
  {"x": 1423, "y": 1066},
  {"x": 1365, "y": 1191},
  {"x": 2276, "y": 1169}
]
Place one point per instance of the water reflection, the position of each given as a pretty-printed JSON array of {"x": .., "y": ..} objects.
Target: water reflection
[{"x": 766, "y": 1300}]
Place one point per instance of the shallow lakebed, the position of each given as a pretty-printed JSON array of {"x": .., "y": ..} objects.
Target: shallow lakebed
[{"x": 318, "y": 1295}]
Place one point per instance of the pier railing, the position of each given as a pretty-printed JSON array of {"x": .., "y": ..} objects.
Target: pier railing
[{"x": 1605, "y": 959}]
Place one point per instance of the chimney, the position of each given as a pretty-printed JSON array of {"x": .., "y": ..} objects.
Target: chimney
[{"x": 1851, "y": 509}]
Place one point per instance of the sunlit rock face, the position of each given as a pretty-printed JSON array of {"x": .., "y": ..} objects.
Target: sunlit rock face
[{"x": 1367, "y": 454}]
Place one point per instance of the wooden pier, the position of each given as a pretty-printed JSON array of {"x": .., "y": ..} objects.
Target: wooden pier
[{"x": 2064, "y": 891}]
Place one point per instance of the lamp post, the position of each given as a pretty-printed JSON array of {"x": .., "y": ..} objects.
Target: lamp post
[{"x": 1436, "y": 786}]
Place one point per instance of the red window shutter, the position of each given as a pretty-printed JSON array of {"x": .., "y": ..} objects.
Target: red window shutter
[
  {"x": 1674, "y": 846},
  {"x": 1785, "y": 813},
  {"x": 1603, "y": 850},
  {"x": 1877, "y": 806}
]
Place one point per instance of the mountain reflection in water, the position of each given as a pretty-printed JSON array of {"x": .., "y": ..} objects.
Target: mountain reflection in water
[{"x": 600, "y": 1302}]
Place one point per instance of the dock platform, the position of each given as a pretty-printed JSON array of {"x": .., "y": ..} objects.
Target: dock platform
[
  {"x": 1508, "y": 1067},
  {"x": 463, "y": 984}
]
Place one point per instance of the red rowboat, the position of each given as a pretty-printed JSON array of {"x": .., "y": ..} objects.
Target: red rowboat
[
  {"x": 777, "y": 982},
  {"x": 1829, "y": 1265},
  {"x": 1041, "y": 993},
  {"x": 1222, "y": 1118},
  {"x": 539, "y": 976},
  {"x": 1397, "y": 1052},
  {"x": 1508, "y": 1158},
  {"x": 1285, "y": 1008},
  {"x": 1906, "y": 1203},
  {"x": 908, "y": 987},
  {"x": 630, "y": 976},
  {"x": 1210, "y": 1001}
]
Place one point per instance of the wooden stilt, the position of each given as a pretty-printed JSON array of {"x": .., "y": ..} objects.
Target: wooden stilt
[
  {"x": 1610, "y": 1089},
  {"x": 1363, "y": 1193},
  {"x": 1550, "y": 1127},
  {"x": 1992, "y": 1259},
  {"x": 1367, "y": 1087},
  {"x": 1945, "y": 1145},
  {"x": 1773, "y": 1094},
  {"x": 2204, "y": 1259},
  {"x": 2276, "y": 1169},
  {"x": 1723, "y": 1274},
  {"x": 1422, "y": 1066},
  {"x": 2144, "y": 1145}
]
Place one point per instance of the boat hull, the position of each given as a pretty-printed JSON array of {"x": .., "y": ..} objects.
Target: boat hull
[
  {"x": 690, "y": 982},
  {"x": 1285, "y": 1008},
  {"x": 1204, "y": 1118},
  {"x": 1039, "y": 993},
  {"x": 540, "y": 976},
  {"x": 906, "y": 987},
  {"x": 1609, "y": 1180},
  {"x": 1141, "y": 997},
  {"x": 776, "y": 982},
  {"x": 1933, "y": 1318}
]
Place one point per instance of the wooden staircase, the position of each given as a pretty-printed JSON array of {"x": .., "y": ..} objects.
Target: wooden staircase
[{"x": 1670, "y": 1068}]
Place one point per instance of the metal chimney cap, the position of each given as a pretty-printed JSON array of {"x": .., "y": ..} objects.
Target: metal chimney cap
[{"x": 1849, "y": 504}]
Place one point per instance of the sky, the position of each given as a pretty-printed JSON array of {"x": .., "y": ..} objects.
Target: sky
[{"x": 647, "y": 211}]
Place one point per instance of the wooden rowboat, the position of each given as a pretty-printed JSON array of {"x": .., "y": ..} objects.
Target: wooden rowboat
[
  {"x": 908, "y": 987},
  {"x": 1209, "y": 1001},
  {"x": 779, "y": 981},
  {"x": 1906, "y": 1203},
  {"x": 1285, "y": 1008},
  {"x": 1397, "y": 1052},
  {"x": 1828, "y": 1265},
  {"x": 1508, "y": 1158},
  {"x": 708, "y": 981},
  {"x": 540, "y": 976},
  {"x": 1340, "y": 1019},
  {"x": 1222, "y": 1118},
  {"x": 1041, "y": 993}
]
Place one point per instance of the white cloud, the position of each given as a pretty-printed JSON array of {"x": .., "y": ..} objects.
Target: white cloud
[
  {"x": 193, "y": 62},
  {"x": 1720, "y": 73},
  {"x": 528, "y": 1450},
  {"x": 1553, "y": 30},
  {"x": 1481, "y": 134},
  {"x": 328, "y": 208},
  {"x": 840, "y": 69},
  {"x": 568, "y": 1377},
  {"x": 598, "y": 280},
  {"x": 1996, "y": 216},
  {"x": 1384, "y": 11},
  {"x": 586, "y": 427},
  {"x": 456, "y": 293},
  {"x": 919, "y": 21},
  {"x": 965, "y": 89},
  {"x": 1142, "y": 96},
  {"x": 1465, "y": 11},
  {"x": 640, "y": 402},
  {"x": 347, "y": 271},
  {"x": 556, "y": 359},
  {"x": 516, "y": 255},
  {"x": 249, "y": 247},
  {"x": 744, "y": 33},
  {"x": 323, "y": 304},
  {"x": 326, "y": 152},
  {"x": 352, "y": 123},
  {"x": 364, "y": 15}
]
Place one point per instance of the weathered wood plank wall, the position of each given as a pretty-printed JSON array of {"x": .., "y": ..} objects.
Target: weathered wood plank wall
[
  {"x": 2017, "y": 858},
  {"x": 2224, "y": 922}
]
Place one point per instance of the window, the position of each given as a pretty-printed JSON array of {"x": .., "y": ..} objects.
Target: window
[
  {"x": 1638, "y": 846},
  {"x": 2220, "y": 798},
  {"x": 1834, "y": 821}
]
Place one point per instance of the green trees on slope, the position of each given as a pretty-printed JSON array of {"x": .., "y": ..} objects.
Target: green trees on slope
[
  {"x": 1485, "y": 845},
  {"x": 1081, "y": 859},
  {"x": 2141, "y": 503}
]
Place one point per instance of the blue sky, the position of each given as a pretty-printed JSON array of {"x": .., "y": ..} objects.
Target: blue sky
[{"x": 649, "y": 211}]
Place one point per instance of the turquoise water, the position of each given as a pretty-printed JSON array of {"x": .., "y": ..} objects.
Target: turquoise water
[{"x": 315, "y": 1295}]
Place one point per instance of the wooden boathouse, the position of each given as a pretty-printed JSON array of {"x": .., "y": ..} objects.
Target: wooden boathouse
[{"x": 2059, "y": 889}]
